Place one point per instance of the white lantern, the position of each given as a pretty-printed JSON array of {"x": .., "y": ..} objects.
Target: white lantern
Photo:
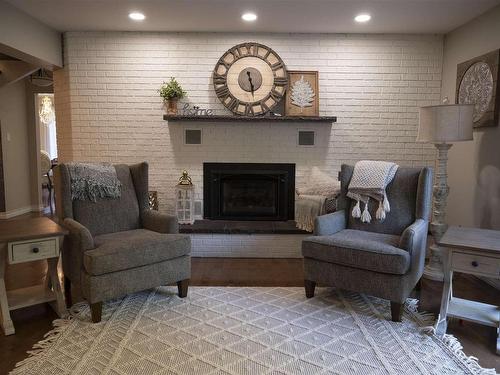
[{"x": 184, "y": 199}]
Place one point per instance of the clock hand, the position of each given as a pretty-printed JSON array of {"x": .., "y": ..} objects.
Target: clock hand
[{"x": 251, "y": 83}]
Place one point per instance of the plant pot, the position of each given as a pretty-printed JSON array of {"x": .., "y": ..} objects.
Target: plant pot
[{"x": 172, "y": 106}]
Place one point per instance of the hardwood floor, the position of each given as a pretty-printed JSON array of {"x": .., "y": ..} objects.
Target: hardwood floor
[{"x": 32, "y": 323}]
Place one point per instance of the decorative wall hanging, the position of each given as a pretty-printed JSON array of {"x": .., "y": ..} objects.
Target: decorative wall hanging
[
  {"x": 477, "y": 83},
  {"x": 302, "y": 98},
  {"x": 195, "y": 110},
  {"x": 250, "y": 79}
]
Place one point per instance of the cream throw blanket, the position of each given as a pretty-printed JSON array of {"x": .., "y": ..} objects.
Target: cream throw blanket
[
  {"x": 369, "y": 180},
  {"x": 307, "y": 207}
]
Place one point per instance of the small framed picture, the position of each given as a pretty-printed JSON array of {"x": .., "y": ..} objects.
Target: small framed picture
[{"x": 302, "y": 96}]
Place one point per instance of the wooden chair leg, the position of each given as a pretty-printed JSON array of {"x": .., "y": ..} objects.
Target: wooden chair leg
[
  {"x": 309, "y": 286},
  {"x": 50, "y": 200},
  {"x": 418, "y": 287},
  {"x": 396, "y": 311},
  {"x": 67, "y": 292},
  {"x": 96, "y": 312},
  {"x": 182, "y": 287}
]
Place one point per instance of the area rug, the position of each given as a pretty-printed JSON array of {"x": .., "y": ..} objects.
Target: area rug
[{"x": 233, "y": 331}]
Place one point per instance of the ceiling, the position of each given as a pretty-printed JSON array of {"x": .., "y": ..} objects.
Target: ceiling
[{"x": 297, "y": 16}]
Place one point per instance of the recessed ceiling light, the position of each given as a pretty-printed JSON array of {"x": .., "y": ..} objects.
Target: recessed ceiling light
[
  {"x": 364, "y": 17},
  {"x": 136, "y": 16},
  {"x": 249, "y": 17}
]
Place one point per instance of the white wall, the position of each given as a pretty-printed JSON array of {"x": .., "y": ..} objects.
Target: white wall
[
  {"x": 27, "y": 38},
  {"x": 16, "y": 167},
  {"x": 474, "y": 167},
  {"x": 108, "y": 107}
]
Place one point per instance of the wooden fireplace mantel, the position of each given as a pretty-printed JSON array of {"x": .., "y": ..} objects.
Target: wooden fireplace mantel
[{"x": 230, "y": 118}]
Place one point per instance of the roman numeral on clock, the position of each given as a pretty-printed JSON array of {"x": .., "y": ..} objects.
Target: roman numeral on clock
[
  {"x": 275, "y": 95},
  {"x": 280, "y": 81},
  {"x": 220, "y": 79},
  {"x": 277, "y": 66},
  {"x": 222, "y": 91},
  {"x": 249, "y": 110},
  {"x": 233, "y": 104}
]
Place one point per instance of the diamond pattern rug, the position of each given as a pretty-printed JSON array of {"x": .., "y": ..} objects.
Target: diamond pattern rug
[{"x": 232, "y": 331}]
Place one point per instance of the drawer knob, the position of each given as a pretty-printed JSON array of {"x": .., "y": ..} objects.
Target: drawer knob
[
  {"x": 36, "y": 250},
  {"x": 474, "y": 263}
]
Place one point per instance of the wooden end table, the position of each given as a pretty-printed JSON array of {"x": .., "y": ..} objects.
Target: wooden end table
[
  {"x": 27, "y": 240},
  {"x": 476, "y": 252}
]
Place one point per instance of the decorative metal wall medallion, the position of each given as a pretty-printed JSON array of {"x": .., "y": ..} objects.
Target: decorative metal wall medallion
[
  {"x": 477, "y": 88},
  {"x": 477, "y": 83}
]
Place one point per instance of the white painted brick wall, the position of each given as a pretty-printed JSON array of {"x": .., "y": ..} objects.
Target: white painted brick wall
[
  {"x": 247, "y": 245},
  {"x": 108, "y": 108}
]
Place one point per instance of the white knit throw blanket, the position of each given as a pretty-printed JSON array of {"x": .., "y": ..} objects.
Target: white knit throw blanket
[{"x": 369, "y": 180}]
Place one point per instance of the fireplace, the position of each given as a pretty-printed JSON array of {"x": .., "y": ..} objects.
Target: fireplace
[{"x": 248, "y": 191}]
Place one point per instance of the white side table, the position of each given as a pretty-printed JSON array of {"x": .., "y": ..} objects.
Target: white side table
[
  {"x": 27, "y": 240},
  {"x": 476, "y": 252}
]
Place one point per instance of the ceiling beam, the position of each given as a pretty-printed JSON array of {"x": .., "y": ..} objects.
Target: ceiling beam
[{"x": 12, "y": 71}]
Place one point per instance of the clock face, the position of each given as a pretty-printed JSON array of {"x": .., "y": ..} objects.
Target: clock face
[{"x": 250, "y": 79}]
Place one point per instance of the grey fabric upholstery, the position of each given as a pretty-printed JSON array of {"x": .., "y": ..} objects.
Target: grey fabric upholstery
[
  {"x": 134, "y": 248},
  {"x": 330, "y": 224},
  {"x": 118, "y": 246},
  {"x": 402, "y": 194},
  {"x": 385, "y": 259},
  {"x": 110, "y": 285},
  {"x": 111, "y": 215},
  {"x": 157, "y": 222},
  {"x": 367, "y": 250}
]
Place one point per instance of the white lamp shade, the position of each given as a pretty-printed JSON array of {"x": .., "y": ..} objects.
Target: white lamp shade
[{"x": 445, "y": 123}]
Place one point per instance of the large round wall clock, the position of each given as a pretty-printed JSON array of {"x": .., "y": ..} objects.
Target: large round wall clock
[{"x": 250, "y": 79}]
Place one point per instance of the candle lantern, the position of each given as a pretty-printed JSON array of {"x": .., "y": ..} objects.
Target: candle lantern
[{"x": 184, "y": 199}]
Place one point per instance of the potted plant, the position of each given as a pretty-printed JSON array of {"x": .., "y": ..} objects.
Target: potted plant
[{"x": 171, "y": 92}]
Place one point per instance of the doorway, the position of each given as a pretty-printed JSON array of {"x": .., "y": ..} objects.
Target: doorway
[{"x": 46, "y": 125}]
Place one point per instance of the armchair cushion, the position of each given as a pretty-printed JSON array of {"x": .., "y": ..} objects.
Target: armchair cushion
[
  {"x": 134, "y": 248},
  {"x": 359, "y": 249}
]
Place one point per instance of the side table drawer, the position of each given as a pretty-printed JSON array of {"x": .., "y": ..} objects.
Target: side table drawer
[
  {"x": 476, "y": 264},
  {"x": 27, "y": 251}
]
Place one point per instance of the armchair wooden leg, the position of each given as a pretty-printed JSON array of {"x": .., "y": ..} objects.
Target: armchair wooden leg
[
  {"x": 182, "y": 287},
  {"x": 396, "y": 311},
  {"x": 96, "y": 312},
  {"x": 309, "y": 286},
  {"x": 67, "y": 292},
  {"x": 418, "y": 287}
]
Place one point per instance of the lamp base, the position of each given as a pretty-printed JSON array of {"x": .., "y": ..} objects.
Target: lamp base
[{"x": 434, "y": 269}]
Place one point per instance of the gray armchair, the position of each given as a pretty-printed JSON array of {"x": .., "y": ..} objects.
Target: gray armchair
[
  {"x": 119, "y": 246},
  {"x": 382, "y": 258}
]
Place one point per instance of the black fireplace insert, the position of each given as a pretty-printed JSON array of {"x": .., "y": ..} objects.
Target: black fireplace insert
[{"x": 248, "y": 191}]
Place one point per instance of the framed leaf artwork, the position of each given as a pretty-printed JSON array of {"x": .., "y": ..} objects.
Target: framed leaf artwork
[
  {"x": 478, "y": 84},
  {"x": 302, "y": 96}
]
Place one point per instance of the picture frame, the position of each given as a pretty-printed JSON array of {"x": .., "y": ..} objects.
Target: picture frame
[
  {"x": 478, "y": 84},
  {"x": 302, "y": 96}
]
